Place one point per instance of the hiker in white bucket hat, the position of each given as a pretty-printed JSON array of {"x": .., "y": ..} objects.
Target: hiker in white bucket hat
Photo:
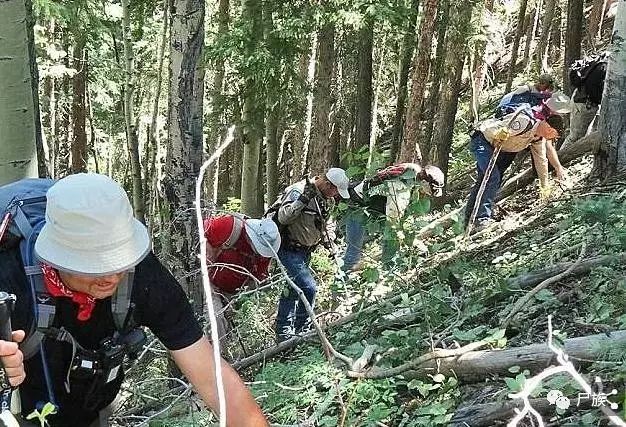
[
  {"x": 239, "y": 251},
  {"x": 97, "y": 284}
]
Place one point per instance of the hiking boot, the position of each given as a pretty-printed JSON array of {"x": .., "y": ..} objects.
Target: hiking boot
[{"x": 283, "y": 334}]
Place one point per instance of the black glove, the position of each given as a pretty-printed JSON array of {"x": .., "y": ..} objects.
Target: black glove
[{"x": 309, "y": 192}]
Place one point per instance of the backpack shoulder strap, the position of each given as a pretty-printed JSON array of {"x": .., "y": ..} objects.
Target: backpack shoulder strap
[
  {"x": 121, "y": 302},
  {"x": 235, "y": 232}
]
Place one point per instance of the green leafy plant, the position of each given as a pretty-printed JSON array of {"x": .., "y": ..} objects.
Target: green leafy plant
[{"x": 48, "y": 409}]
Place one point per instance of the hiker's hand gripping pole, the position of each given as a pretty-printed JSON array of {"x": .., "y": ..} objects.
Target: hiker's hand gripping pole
[
  {"x": 488, "y": 171},
  {"x": 6, "y": 333}
]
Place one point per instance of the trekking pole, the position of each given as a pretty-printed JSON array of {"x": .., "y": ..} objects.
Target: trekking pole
[
  {"x": 483, "y": 184},
  {"x": 6, "y": 307}
]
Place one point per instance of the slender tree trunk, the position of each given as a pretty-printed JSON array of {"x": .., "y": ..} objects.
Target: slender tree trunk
[
  {"x": 184, "y": 149},
  {"x": 153, "y": 133},
  {"x": 437, "y": 76},
  {"x": 297, "y": 136},
  {"x": 252, "y": 117},
  {"x": 542, "y": 46},
  {"x": 480, "y": 66},
  {"x": 377, "y": 87},
  {"x": 364, "y": 93},
  {"x": 20, "y": 132},
  {"x": 573, "y": 38},
  {"x": 216, "y": 126},
  {"x": 406, "y": 54},
  {"x": 519, "y": 30},
  {"x": 63, "y": 135},
  {"x": 555, "y": 35},
  {"x": 129, "y": 116},
  {"x": 79, "y": 111},
  {"x": 271, "y": 138},
  {"x": 531, "y": 31},
  {"x": 449, "y": 97},
  {"x": 610, "y": 158},
  {"x": 237, "y": 145},
  {"x": 320, "y": 146},
  {"x": 593, "y": 26},
  {"x": 410, "y": 150},
  {"x": 308, "y": 118}
]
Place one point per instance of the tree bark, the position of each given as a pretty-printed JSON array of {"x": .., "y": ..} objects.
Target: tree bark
[
  {"x": 555, "y": 35},
  {"x": 544, "y": 38},
  {"x": 410, "y": 150},
  {"x": 476, "y": 365},
  {"x": 610, "y": 158},
  {"x": 184, "y": 149},
  {"x": 319, "y": 146},
  {"x": 479, "y": 66},
  {"x": 216, "y": 125},
  {"x": 79, "y": 110},
  {"x": 573, "y": 38},
  {"x": 437, "y": 77},
  {"x": 531, "y": 31},
  {"x": 449, "y": 97},
  {"x": 519, "y": 31},
  {"x": 132, "y": 140},
  {"x": 20, "y": 131},
  {"x": 364, "y": 92},
  {"x": 593, "y": 24},
  {"x": 406, "y": 54},
  {"x": 253, "y": 113},
  {"x": 271, "y": 147}
]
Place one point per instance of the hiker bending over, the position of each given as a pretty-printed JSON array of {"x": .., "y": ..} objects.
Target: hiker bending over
[
  {"x": 514, "y": 133},
  {"x": 530, "y": 95},
  {"x": 234, "y": 243},
  {"x": 385, "y": 196},
  {"x": 301, "y": 214},
  {"x": 97, "y": 284}
]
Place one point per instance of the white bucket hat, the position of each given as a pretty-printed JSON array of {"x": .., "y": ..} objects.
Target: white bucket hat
[
  {"x": 339, "y": 179},
  {"x": 90, "y": 228},
  {"x": 264, "y": 236},
  {"x": 559, "y": 103}
]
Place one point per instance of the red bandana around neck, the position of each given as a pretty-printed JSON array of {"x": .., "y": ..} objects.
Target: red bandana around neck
[{"x": 55, "y": 286}]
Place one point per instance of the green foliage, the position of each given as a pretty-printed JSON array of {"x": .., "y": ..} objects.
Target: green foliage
[{"x": 48, "y": 409}]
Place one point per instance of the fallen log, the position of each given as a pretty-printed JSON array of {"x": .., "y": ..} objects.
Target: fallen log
[
  {"x": 487, "y": 414},
  {"x": 566, "y": 156},
  {"x": 477, "y": 365}
]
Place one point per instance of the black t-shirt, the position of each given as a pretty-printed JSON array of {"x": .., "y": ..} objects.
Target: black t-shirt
[{"x": 160, "y": 304}]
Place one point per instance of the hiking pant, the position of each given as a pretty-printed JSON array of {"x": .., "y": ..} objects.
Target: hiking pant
[
  {"x": 580, "y": 119},
  {"x": 355, "y": 238},
  {"x": 292, "y": 316},
  {"x": 482, "y": 150}
]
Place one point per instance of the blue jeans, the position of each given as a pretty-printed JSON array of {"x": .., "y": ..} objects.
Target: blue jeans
[
  {"x": 483, "y": 151},
  {"x": 355, "y": 237},
  {"x": 292, "y": 316}
]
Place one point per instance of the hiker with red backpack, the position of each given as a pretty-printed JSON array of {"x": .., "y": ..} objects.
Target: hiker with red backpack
[
  {"x": 384, "y": 197},
  {"x": 86, "y": 283},
  {"x": 301, "y": 214},
  {"x": 504, "y": 138},
  {"x": 239, "y": 251},
  {"x": 586, "y": 77}
]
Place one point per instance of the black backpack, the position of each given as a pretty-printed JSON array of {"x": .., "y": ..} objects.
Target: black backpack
[{"x": 587, "y": 76}]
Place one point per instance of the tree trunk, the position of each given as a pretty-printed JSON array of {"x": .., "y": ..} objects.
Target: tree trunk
[
  {"x": 573, "y": 38},
  {"x": 364, "y": 92},
  {"x": 610, "y": 158},
  {"x": 377, "y": 87},
  {"x": 184, "y": 149},
  {"x": 406, "y": 54},
  {"x": 544, "y": 38},
  {"x": 476, "y": 365},
  {"x": 216, "y": 125},
  {"x": 437, "y": 77},
  {"x": 449, "y": 97},
  {"x": 530, "y": 31},
  {"x": 479, "y": 66},
  {"x": 237, "y": 146},
  {"x": 593, "y": 25},
  {"x": 252, "y": 117},
  {"x": 319, "y": 146},
  {"x": 410, "y": 150},
  {"x": 555, "y": 36},
  {"x": 79, "y": 110},
  {"x": 519, "y": 30},
  {"x": 271, "y": 141},
  {"x": 20, "y": 131},
  {"x": 129, "y": 116}
]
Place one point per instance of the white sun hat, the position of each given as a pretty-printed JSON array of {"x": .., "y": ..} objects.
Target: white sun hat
[
  {"x": 559, "y": 103},
  {"x": 90, "y": 228},
  {"x": 339, "y": 179},
  {"x": 264, "y": 236}
]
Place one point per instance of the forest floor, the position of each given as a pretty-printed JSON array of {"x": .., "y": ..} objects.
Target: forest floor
[{"x": 443, "y": 292}]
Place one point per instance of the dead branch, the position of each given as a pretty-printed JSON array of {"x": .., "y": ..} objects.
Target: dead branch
[
  {"x": 378, "y": 373},
  {"x": 523, "y": 302},
  {"x": 477, "y": 365}
]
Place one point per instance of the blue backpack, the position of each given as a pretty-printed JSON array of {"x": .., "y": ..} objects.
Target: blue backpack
[{"x": 513, "y": 101}]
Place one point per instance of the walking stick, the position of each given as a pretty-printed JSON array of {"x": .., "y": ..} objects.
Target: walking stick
[{"x": 488, "y": 171}]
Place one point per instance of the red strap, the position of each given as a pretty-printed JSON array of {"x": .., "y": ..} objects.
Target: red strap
[{"x": 57, "y": 288}]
